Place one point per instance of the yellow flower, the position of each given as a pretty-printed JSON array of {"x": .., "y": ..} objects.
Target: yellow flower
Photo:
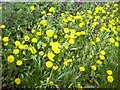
[
  {"x": 112, "y": 40},
  {"x": 82, "y": 33},
  {"x": 16, "y": 51},
  {"x": 2, "y": 26},
  {"x": 98, "y": 62},
  {"x": 49, "y": 33},
  {"x": 82, "y": 68},
  {"x": 81, "y": 24},
  {"x": 89, "y": 11},
  {"x": 43, "y": 12},
  {"x": 52, "y": 9},
  {"x": 51, "y": 82},
  {"x": 69, "y": 60},
  {"x": 101, "y": 57},
  {"x": 102, "y": 52},
  {"x": 66, "y": 30},
  {"x": 34, "y": 40},
  {"x": 6, "y": 39},
  {"x": 97, "y": 39},
  {"x": 55, "y": 36},
  {"x": 17, "y": 81},
  {"x": 49, "y": 64},
  {"x": 79, "y": 86},
  {"x": 38, "y": 33},
  {"x": 109, "y": 72},
  {"x": 55, "y": 67},
  {"x": 41, "y": 53},
  {"x": 33, "y": 30},
  {"x": 32, "y": 8},
  {"x": 0, "y": 7},
  {"x": 92, "y": 42},
  {"x": 110, "y": 79},
  {"x": 43, "y": 22},
  {"x": 17, "y": 43},
  {"x": 66, "y": 63},
  {"x": 71, "y": 41},
  {"x": 117, "y": 44},
  {"x": 25, "y": 46},
  {"x": 66, "y": 36},
  {"x": 19, "y": 62},
  {"x": 6, "y": 44},
  {"x": 93, "y": 67},
  {"x": 66, "y": 47},
  {"x": 44, "y": 45},
  {"x": 27, "y": 38},
  {"x": 21, "y": 46},
  {"x": 33, "y": 50},
  {"x": 51, "y": 56},
  {"x": 55, "y": 49},
  {"x": 10, "y": 58}
]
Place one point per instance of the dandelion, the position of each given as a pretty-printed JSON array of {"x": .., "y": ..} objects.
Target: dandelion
[
  {"x": 10, "y": 58},
  {"x": 25, "y": 46},
  {"x": 55, "y": 67},
  {"x": 19, "y": 62},
  {"x": 34, "y": 40},
  {"x": 102, "y": 52},
  {"x": 82, "y": 32},
  {"x": 79, "y": 86},
  {"x": 27, "y": 38},
  {"x": 112, "y": 40},
  {"x": 93, "y": 67},
  {"x": 43, "y": 22},
  {"x": 41, "y": 53},
  {"x": 17, "y": 81},
  {"x": 49, "y": 64},
  {"x": 39, "y": 33},
  {"x": 51, "y": 83},
  {"x": 49, "y": 33},
  {"x": 66, "y": 63},
  {"x": 43, "y": 12},
  {"x": 6, "y": 39},
  {"x": 66, "y": 47},
  {"x": 33, "y": 50},
  {"x": 110, "y": 79},
  {"x": 55, "y": 36},
  {"x": 109, "y": 72},
  {"x": 66, "y": 30},
  {"x": 21, "y": 46},
  {"x": 82, "y": 68},
  {"x": 33, "y": 30},
  {"x": 71, "y": 41},
  {"x": 98, "y": 62},
  {"x": 66, "y": 36},
  {"x": 16, "y": 51}
]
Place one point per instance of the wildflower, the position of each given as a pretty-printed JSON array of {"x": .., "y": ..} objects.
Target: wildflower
[
  {"x": 32, "y": 8},
  {"x": 51, "y": 56},
  {"x": 33, "y": 50},
  {"x": 49, "y": 64},
  {"x": 71, "y": 41},
  {"x": 19, "y": 62},
  {"x": 0, "y": 8},
  {"x": 33, "y": 30},
  {"x": 55, "y": 49},
  {"x": 15, "y": 51},
  {"x": 55, "y": 67},
  {"x": 17, "y": 81},
  {"x": 98, "y": 62},
  {"x": 6, "y": 39},
  {"x": 66, "y": 36},
  {"x": 110, "y": 79},
  {"x": 101, "y": 57},
  {"x": 49, "y": 33},
  {"x": 55, "y": 36},
  {"x": 27, "y": 38},
  {"x": 81, "y": 24},
  {"x": 66, "y": 30},
  {"x": 25, "y": 46},
  {"x": 109, "y": 72},
  {"x": 82, "y": 33},
  {"x": 43, "y": 22},
  {"x": 17, "y": 43},
  {"x": 41, "y": 53},
  {"x": 10, "y": 58},
  {"x": 92, "y": 42},
  {"x": 102, "y": 52},
  {"x": 2, "y": 26},
  {"x": 66, "y": 47},
  {"x": 79, "y": 86},
  {"x": 6, "y": 44},
  {"x": 52, "y": 9},
  {"x": 97, "y": 39},
  {"x": 43, "y": 12},
  {"x": 51, "y": 83},
  {"x": 34, "y": 40},
  {"x": 117, "y": 44},
  {"x": 44, "y": 45},
  {"x": 82, "y": 68},
  {"x": 65, "y": 63},
  {"x": 21, "y": 46},
  {"x": 93, "y": 67},
  {"x": 38, "y": 33},
  {"x": 112, "y": 40}
]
